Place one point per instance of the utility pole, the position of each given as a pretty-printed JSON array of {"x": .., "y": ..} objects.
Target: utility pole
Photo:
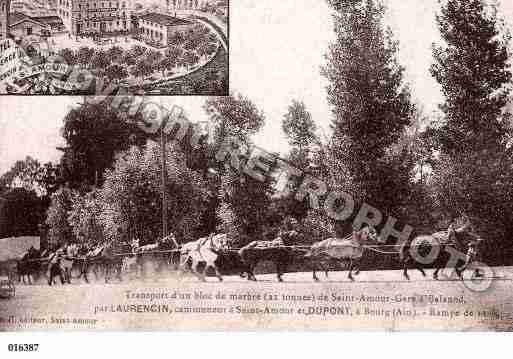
[{"x": 164, "y": 179}]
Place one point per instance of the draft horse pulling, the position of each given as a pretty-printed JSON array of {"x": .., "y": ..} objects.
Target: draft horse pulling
[
  {"x": 336, "y": 250},
  {"x": 442, "y": 244},
  {"x": 214, "y": 252}
]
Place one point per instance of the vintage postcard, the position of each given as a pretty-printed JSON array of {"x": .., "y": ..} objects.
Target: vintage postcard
[
  {"x": 65, "y": 47},
  {"x": 357, "y": 176}
]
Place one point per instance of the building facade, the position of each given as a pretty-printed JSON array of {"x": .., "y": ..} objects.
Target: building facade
[
  {"x": 21, "y": 25},
  {"x": 54, "y": 22},
  {"x": 160, "y": 27},
  {"x": 95, "y": 16},
  {"x": 5, "y": 8}
]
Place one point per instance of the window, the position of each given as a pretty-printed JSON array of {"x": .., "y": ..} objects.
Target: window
[{"x": 29, "y": 30}]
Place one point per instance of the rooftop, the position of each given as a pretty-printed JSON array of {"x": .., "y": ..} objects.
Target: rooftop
[
  {"x": 163, "y": 19},
  {"x": 47, "y": 18},
  {"x": 17, "y": 17}
]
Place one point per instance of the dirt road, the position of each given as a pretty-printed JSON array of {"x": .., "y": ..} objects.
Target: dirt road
[{"x": 377, "y": 300}]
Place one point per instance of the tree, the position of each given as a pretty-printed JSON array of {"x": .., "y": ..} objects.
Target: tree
[
  {"x": 129, "y": 60},
  {"x": 21, "y": 211},
  {"x": 84, "y": 55},
  {"x": 177, "y": 38},
  {"x": 153, "y": 56},
  {"x": 94, "y": 133},
  {"x": 190, "y": 45},
  {"x": 60, "y": 230},
  {"x": 31, "y": 175},
  {"x": 299, "y": 129},
  {"x": 244, "y": 201},
  {"x": 131, "y": 195},
  {"x": 203, "y": 50},
  {"x": 115, "y": 54},
  {"x": 190, "y": 58},
  {"x": 85, "y": 217},
  {"x": 473, "y": 70},
  {"x": 234, "y": 115},
  {"x": 473, "y": 176},
  {"x": 138, "y": 50},
  {"x": 317, "y": 226},
  {"x": 166, "y": 64},
  {"x": 142, "y": 68},
  {"x": 371, "y": 108},
  {"x": 116, "y": 72},
  {"x": 100, "y": 60},
  {"x": 24, "y": 174},
  {"x": 174, "y": 52}
]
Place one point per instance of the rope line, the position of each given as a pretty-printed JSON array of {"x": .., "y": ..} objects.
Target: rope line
[{"x": 374, "y": 248}]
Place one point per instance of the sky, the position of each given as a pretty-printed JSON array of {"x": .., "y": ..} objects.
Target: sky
[{"x": 276, "y": 51}]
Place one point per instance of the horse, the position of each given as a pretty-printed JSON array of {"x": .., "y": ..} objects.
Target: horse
[
  {"x": 440, "y": 243},
  {"x": 204, "y": 250},
  {"x": 160, "y": 251},
  {"x": 335, "y": 250},
  {"x": 29, "y": 265},
  {"x": 83, "y": 260},
  {"x": 93, "y": 260},
  {"x": 111, "y": 259},
  {"x": 277, "y": 251}
]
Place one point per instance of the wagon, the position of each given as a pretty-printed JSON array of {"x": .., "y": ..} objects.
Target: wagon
[{"x": 7, "y": 288}]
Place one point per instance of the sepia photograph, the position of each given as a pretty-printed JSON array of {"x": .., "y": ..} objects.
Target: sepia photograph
[
  {"x": 66, "y": 47},
  {"x": 356, "y": 176}
]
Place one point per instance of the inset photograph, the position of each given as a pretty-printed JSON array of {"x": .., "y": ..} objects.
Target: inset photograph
[{"x": 93, "y": 47}]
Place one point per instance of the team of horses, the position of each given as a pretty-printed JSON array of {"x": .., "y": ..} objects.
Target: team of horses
[{"x": 214, "y": 253}]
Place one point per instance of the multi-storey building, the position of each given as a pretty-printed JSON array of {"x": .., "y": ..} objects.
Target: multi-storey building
[
  {"x": 21, "y": 25},
  {"x": 160, "y": 27},
  {"x": 95, "y": 16},
  {"x": 5, "y": 6}
]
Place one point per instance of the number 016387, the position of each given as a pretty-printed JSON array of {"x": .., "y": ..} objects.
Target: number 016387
[{"x": 22, "y": 347}]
